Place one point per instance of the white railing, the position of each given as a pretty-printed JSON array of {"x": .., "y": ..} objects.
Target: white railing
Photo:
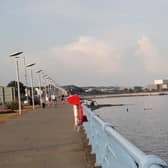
[{"x": 113, "y": 150}]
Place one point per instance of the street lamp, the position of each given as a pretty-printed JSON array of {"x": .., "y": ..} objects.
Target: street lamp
[
  {"x": 46, "y": 83},
  {"x": 31, "y": 75},
  {"x": 39, "y": 72},
  {"x": 17, "y": 74},
  {"x": 49, "y": 87},
  {"x": 25, "y": 76}
]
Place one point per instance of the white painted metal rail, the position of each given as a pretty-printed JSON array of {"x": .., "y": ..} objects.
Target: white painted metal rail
[{"x": 112, "y": 149}]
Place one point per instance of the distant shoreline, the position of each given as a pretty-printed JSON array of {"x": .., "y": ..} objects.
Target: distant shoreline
[{"x": 125, "y": 95}]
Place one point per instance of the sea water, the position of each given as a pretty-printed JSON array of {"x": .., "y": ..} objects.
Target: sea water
[{"x": 142, "y": 120}]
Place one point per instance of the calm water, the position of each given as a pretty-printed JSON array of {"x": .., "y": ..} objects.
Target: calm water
[{"x": 145, "y": 124}]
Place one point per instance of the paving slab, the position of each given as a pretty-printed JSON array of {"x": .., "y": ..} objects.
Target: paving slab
[{"x": 42, "y": 139}]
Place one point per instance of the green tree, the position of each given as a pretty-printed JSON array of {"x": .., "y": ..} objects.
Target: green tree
[{"x": 14, "y": 84}]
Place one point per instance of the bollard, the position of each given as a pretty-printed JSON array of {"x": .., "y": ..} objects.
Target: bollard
[{"x": 79, "y": 117}]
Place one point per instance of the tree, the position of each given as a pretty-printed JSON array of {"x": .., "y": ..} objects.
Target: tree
[{"x": 14, "y": 84}]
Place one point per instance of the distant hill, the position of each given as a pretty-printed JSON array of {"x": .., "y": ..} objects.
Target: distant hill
[
  {"x": 102, "y": 90},
  {"x": 72, "y": 89}
]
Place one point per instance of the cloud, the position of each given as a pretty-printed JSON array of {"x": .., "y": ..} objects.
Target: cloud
[
  {"x": 153, "y": 61},
  {"x": 91, "y": 54},
  {"x": 91, "y": 61}
]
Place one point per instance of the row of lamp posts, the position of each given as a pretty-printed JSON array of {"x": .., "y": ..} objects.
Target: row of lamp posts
[{"x": 48, "y": 81}]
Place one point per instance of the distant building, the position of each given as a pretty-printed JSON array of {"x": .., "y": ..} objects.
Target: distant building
[
  {"x": 165, "y": 86},
  {"x": 138, "y": 89},
  {"x": 160, "y": 81},
  {"x": 152, "y": 87},
  {"x": 159, "y": 85}
]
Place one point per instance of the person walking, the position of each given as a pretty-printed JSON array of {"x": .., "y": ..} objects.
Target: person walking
[
  {"x": 63, "y": 99},
  {"x": 43, "y": 102}
]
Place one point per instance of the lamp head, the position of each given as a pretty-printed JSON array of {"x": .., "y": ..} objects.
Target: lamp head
[
  {"x": 39, "y": 71},
  {"x": 29, "y": 65},
  {"x": 16, "y": 54}
]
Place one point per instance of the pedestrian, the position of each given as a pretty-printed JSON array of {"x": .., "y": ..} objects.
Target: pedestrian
[
  {"x": 53, "y": 99},
  {"x": 47, "y": 100},
  {"x": 43, "y": 102},
  {"x": 62, "y": 98}
]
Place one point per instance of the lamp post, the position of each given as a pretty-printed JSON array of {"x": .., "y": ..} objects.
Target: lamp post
[
  {"x": 25, "y": 76},
  {"x": 46, "y": 83},
  {"x": 17, "y": 74},
  {"x": 31, "y": 76},
  {"x": 49, "y": 87},
  {"x": 39, "y": 72}
]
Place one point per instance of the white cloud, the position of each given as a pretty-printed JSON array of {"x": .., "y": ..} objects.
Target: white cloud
[
  {"x": 150, "y": 55},
  {"x": 91, "y": 54},
  {"x": 89, "y": 61}
]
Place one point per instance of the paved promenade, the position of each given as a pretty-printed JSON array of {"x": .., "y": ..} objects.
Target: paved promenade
[{"x": 42, "y": 139}]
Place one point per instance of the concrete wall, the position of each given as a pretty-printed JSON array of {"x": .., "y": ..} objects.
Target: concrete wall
[
  {"x": 1, "y": 95},
  {"x": 7, "y": 94}
]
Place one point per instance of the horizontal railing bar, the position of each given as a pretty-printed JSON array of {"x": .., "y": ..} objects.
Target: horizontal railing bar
[
  {"x": 135, "y": 152},
  {"x": 143, "y": 160}
]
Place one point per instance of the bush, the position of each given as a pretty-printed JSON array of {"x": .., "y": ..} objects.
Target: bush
[{"x": 14, "y": 105}]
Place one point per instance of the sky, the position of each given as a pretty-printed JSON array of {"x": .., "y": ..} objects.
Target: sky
[{"x": 86, "y": 42}]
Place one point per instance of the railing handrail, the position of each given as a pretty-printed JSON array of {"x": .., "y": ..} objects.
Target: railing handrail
[{"x": 138, "y": 156}]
